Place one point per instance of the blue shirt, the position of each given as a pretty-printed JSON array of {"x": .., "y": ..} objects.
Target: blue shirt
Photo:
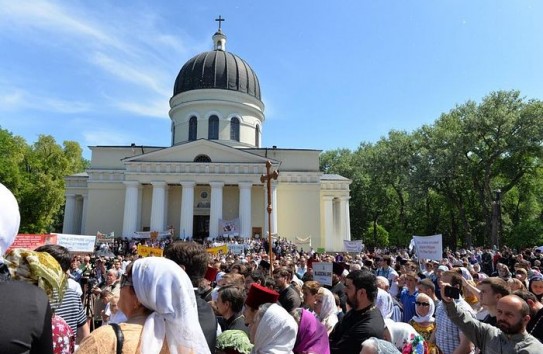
[{"x": 408, "y": 303}]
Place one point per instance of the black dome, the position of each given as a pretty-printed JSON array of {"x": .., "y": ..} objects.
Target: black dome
[{"x": 220, "y": 70}]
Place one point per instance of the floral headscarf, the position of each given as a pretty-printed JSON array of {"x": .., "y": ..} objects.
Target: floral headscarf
[{"x": 38, "y": 268}]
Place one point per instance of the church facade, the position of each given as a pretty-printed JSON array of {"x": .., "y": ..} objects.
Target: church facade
[{"x": 208, "y": 182}]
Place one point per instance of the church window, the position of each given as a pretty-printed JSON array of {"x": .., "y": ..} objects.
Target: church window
[
  {"x": 202, "y": 158},
  {"x": 213, "y": 131},
  {"x": 234, "y": 129},
  {"x": 257, "y": 136},
  {"x": 193, "y": 128}
]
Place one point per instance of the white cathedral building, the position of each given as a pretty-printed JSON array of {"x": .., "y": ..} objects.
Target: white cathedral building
[{"x": 210, "y": 176}]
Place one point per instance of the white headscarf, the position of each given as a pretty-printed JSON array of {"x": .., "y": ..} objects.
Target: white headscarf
[
  {"x": 328, "y": 306},
  {"x": 9, "y": 219},
  {"x": 164, "y": 287},
  {"x": 276, "y": 332},
  {"x": 430, "y": 315}
]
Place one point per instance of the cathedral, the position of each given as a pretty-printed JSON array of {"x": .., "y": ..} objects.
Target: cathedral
[{"x": 208, "y": 182}]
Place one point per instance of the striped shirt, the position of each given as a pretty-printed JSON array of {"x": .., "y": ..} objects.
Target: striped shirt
[
  {"x": 447, "y": 333},
  {"x": 71, "y": 310}
]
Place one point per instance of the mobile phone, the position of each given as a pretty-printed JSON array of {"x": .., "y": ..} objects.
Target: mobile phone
[{"x": 453, "y": 293}]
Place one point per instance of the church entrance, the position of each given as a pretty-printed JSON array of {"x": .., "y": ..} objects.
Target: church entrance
[{"x": 201, "y": 227}]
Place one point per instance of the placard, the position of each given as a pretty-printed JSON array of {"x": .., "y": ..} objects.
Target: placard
[{"x": 322, "y": 272}]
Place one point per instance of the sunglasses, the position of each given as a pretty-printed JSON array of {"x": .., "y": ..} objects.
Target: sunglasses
[
  {"x": 126, "y": 280},
  {"x": 418, "y": 303}
]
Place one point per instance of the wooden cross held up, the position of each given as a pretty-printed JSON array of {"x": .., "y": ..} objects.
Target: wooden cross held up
[{"x": 267, "y": 179}]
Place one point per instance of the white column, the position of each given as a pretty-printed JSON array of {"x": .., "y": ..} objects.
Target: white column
[
  {"x": 158, "y": 206},
  {"x": 215, "y": 213},
  {"x": 84, "y": 216},
  {"x": 274, "y": 208},
  {"x": 130, "y": 218},
  {"x": 187, "y": 210},
  {"x": 345, "y": 218},
  {"x": 245, "y": 208},
  {"x": 69, "y": 210},
  {"x": 77, "y": 215},
  {"x": 329, "y": 224}
]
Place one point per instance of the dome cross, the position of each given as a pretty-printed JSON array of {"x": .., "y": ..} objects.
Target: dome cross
[{"x": 220, "y": 19}]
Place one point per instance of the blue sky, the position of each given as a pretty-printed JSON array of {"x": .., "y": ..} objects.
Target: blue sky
[{"x": 332, "y": 74}]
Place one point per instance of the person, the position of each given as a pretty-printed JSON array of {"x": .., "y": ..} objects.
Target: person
[
  {"x": 408, "y": 295},
  {"x": 310, "y": 290},
  {"x": 273, "y": 330},
  {"x": 26, "y": 306},
  {"x": 535, "y": 326},
  {"x": 386, "y": 270},
  {"x": 288, "y": 295},
  {"x": 70, "y": 309},
  {"x": 448, "y": 336},
  {"x": 312, "y": 337},
  {"x": 403, "y": 336},
  {"x": 42, "y": 270},
  {"x": 111, "y": 284},
  {"x": 337, "y": 285},
  {"x": 491, "y": 290},
  {"x": 424, "y": 322},
  {"x": 428, "y": 287},
  {"x": 257, "y": 295},
  {"x": 510, "y": 335},
  {"x": 325, "y": 308},
  {"x": 193, "y": 258},
  {"x": 535, "y": 286},
  {"x": 230, "y": 306},
  {"x": 364, "y": 319},
  {"x": 159, "y": 301}
]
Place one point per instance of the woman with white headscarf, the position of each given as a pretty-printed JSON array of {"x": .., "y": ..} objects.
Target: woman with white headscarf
[
  {"x": 158, "y": 299},
  {"x": 273, "y": 330},
  {"x": 424, "y": 322},
  {"x": 325, "y": 308}
]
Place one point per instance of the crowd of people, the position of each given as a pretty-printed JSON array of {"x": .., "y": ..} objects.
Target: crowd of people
[{"x": 379, "y": 301}]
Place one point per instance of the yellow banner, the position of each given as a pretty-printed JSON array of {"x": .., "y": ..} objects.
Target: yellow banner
[
  {"x": 215, "y": 250},
  {"x": 146, "y": 251}
]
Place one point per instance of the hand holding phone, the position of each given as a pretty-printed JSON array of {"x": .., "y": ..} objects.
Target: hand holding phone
[{"x": 453, "y": 293}]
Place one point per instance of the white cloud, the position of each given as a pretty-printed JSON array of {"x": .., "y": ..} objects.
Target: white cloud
[
  {"x": 19, "y": 99},
  {"x": 158, "y": 108},
  {"x": 125, "y": 46}
]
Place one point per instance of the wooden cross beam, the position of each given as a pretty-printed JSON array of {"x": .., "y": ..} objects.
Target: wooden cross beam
[{"x": 267, "y": 179}]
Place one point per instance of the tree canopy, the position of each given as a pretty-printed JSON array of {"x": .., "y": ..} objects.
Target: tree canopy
[
  {"x": 35, "y": 174},
  {"x": 474, "y": 175}
]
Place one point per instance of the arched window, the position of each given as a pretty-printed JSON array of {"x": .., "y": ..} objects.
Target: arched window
[
  {"x": 193, "y": 128},
  {"x": 257, "y": 136},
  {"x": 234, "y": 129},
  {"x": 213, "y": 131},
  {"x": 202, "y": 158}
]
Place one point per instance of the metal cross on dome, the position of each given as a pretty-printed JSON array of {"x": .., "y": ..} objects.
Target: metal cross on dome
[{"x": 220, "y": 19}]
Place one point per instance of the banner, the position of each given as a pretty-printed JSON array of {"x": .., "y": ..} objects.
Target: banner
[
  {"x": 215, "y": 250},
  {"x": 303, "y": 241},
  {"x": 322, "y": 272},
  {"x": 229, "y": 227},
  {"x": 147, "y": 234},
  {"x": 32, "y": 241},
  {"x": 235, "y": 248},
  {"x": 74, "y": 243},
  {"x": 353, "y": 246},
  {"x": 101, "y": 238},
  {"x": 146, "y": 251},
  {"x": 77, "y": 243},
  {"x": 429, "y": 247}
]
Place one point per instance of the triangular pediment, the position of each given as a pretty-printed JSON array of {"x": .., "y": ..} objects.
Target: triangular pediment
[{"x": 187, "y": 152}]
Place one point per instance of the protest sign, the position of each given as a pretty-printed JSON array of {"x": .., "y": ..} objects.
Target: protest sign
[
  {"x": 146, "y": 251},
  {"x": 352, "y": 246},
  {"x": 322, "y": 272},
  {"x": 77, "y": 243},
  {"x": 429, "y": 247}
]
